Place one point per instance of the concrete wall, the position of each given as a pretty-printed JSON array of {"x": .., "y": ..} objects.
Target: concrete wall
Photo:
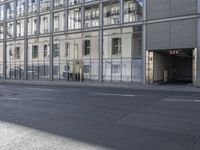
[
  {"x": 184, "y": 69},
  {"x": 170, "y": 8},
  {"x": 159, "y": 65},
  {"x": 172, "y": 35}
]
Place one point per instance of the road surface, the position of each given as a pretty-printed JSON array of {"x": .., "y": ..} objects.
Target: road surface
[{"x": 34, "y": 117}]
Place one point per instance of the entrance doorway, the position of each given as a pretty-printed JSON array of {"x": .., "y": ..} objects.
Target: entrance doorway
[
  {"x": 171, "y": 66},
  {"x": 75, "y": 71}
]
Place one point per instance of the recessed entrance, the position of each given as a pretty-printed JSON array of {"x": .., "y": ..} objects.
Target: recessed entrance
[
  {"x": 74, "y": 71},
  {"x": 171, "y": 66}
]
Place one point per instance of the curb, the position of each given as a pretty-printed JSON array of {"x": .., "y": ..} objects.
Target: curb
[{"x": 177, "y": 88}]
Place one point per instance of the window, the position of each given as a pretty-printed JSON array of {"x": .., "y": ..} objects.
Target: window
[
  {"x": 44, "y": 24},
  {"x": 32, "y": 6},
  {"x": 1, "y": 12},
  {"x": 20, "y": 7},
  {"x": 91, "y": 17},
  {"x": 1, "y": 31},
  {"x": 56, "y": 50},
  {"x": 35, "y": 51},
  {"x": 86, "y": 47},
  {"x": 74, "y": 2},
  {"x": 133, "y": 10},
  {"x": 10, "y": 10},
  {"x": 58, "y": 3},
  {"x": 116, "y": 69},
  {"x": 45, "y": 51},
  {"x": 20, "y": 28},
  {"x": 59, "y": 21},
  {"x": 44, "y": 5},
  {"x": 86, "y": 68},
  {"x": 116, "y": 46},
  {"x": 10, "y": 30},
  {"x": 111, "y": 13},
  {"x": 32, "y": 26},
  {"x": 56, "y": 23},
  {"x": 17, "y": 52},
  {"x": 67, "y": 48},
  {"x": 74, "y": 19}
]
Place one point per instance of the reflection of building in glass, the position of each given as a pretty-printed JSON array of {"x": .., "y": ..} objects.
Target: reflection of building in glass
[{"x": 90, "y": 39}]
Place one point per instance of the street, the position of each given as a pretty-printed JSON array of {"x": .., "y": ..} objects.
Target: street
[{"x": 39, "y": 117}]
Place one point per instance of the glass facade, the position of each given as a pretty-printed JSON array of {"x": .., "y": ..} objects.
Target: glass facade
[{"x": 71, "y": 40}]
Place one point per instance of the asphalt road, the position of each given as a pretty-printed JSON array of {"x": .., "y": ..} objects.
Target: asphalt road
[{"x": 36, "y": 117}]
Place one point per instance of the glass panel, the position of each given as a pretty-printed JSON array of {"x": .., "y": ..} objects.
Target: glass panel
[
  {"x": 45, "y": 5},
  {"x": 44, "y": 24},
  {"x": 137, "y": 74},
  {"x": 133, "y": 10},
  {"x": 58, "y": 3},
  {"x": 32, "y": 26},
  {"x": 10, "y": 30},
  {"x": 1, "y": 60},
  {"x": 1, "y": 12},
  {"x": 111, "y": 13},
  {"x": 1, "y": 32},
  {"x": 92, "y": 17},
  {"x": 59, "y": 21},
  {"x": 10, "y": 10},
  {"x": 20, "y": 8},
  {"x": 15, "y": 60},
  {"x": 75, "y": 56},
  {"x": 20, "y": 28},
  {"x": 91, "y": 56},
  {"x": 32, "y": 6},
  {"x": 74, "y": 2},
  {"x": 38, "y": 59},
  {"x": 74, "y": 19},
  {"x": 112, "y": 55}
]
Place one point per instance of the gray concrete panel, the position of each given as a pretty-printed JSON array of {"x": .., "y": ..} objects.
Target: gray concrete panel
[
  {"x": 158, "y": 36},
  {"x": 158, "y": 9},
  {"x": 183, "y": 34},
  {"x": 182, "y": 7}
]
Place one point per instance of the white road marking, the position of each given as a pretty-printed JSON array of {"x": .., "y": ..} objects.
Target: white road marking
[
  {"x": 197, "y": 100},
  {"x": 113, "y": 94},
  {"x": 40, "y": 89},
  {"x": 27, "y": 98},
  {"x": 182, "y": 100}
]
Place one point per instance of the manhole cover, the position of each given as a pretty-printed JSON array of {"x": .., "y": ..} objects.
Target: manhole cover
[{"x": 7, "y": 94}]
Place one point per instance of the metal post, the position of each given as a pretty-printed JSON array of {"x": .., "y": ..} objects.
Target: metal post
[
  {"x": 51, "y": 43},
  {"x": 4, "y": 47},
  {"x": 82, "y": 16},
  {"x": 15, "y": 20},
  {"x": 25, "y": 44},
  {"x": 144, "y": 41},
  {"x": 121, "y": 11},
  {"x": 66, "y": 16},
  {"x": 198, "y": 48},
  {"x": 101, "y": 42}
]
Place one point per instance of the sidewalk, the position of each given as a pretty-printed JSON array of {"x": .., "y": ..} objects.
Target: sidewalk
[{"x": 181, "y": 88}]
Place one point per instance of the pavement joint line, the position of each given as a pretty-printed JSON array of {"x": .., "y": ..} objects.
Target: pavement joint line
[
  {"x": 182, "y": 100},
  {"x": 113, "y": 94},
  {"x": 119, "y": 121},
  {"x": 75, "y": 106}
]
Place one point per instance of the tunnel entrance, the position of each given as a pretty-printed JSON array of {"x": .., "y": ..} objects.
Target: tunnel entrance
[{"x": 171, "y": 66}]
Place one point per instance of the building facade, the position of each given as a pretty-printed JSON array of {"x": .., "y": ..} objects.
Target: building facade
[{"x": 131, "y": 41}]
